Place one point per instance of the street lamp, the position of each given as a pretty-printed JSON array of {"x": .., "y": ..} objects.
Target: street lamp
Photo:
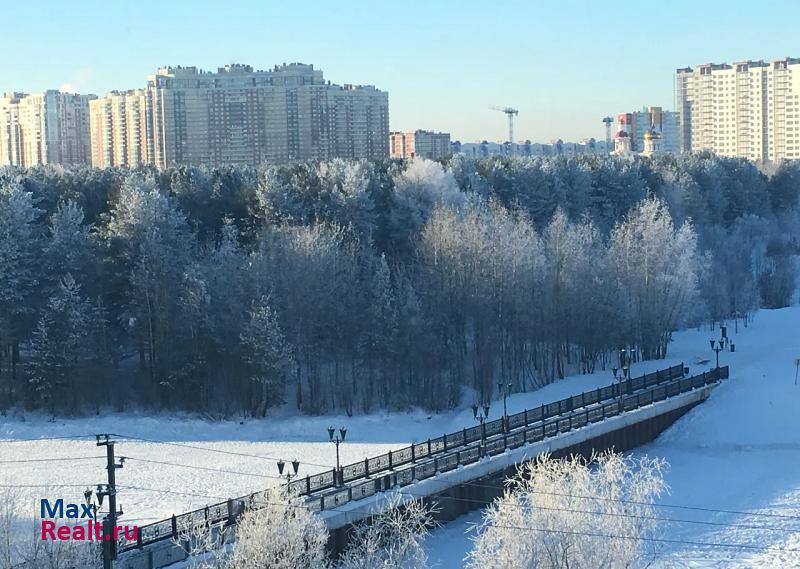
[
  {"x": 504, "y": 390},
  {"x": 289, "y": 475},
  {"x": 625, "y": 358},
  {"x": 481, "y": 417},
  {"x": 337, "y": 439},
  {"x": 717, "y": 346}
]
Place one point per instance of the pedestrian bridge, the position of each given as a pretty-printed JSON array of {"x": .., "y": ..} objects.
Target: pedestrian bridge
[{"x": 467, "y": 466}]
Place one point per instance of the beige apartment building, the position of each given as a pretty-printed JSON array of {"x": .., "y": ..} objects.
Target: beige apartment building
[
  {"x": 44, "y": 128},
  {"x": 422, "y": 143},
  {"x": 239, "y": 116},
  {"x": 749, "y": 109},
  {"x": 119, "y": 129}
]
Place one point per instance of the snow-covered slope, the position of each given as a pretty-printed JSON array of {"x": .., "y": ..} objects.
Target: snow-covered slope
[
  {"x": 739, "y": 451},
  {"x": 155, "y": 490}
]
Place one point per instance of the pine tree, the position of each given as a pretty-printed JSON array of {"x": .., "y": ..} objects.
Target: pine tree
[
  {"x": 19, "y": 275},
  {"x": 267, "y": 353},
  {"x": 57, "y": 346}
]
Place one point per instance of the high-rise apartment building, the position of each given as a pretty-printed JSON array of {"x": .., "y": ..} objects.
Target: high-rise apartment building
[
  {"x": 748, "y": 109},
  {"x": 239, "y": 116},
  {"x": 119, "y": 130},
  {"x": 651, "y": 119},
  {"x": 44, "y": 128},
  {"x": 422, "y": 143}
]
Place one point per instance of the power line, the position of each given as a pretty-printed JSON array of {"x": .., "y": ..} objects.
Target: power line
[
  {"x": 56, "y": 459},
  {"x": 613, "y": 514},
  {"x": 195, "y": 447},
  {"x": 205, "y": 468},
  {"x": 655, "y": 539},
  {"x": 56, "y": 485},
  {"x": 32, "y": 440},
  {"x": 729, "y": 545},
  {"x": 658, "y": 504},
  {"x": 191, "y": 494}
]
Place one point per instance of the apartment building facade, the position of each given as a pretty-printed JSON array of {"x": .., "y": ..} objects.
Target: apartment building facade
[
  {"x": 44, "y": 128},
  {"x": 749, "y": 109},
  {"x": 422, "y": 143},
  {"x": 239, "y": 116},
  {"x": 120, "y": 133}
]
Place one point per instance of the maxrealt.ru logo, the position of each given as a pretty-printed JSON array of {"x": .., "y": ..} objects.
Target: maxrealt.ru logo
[{"x": 77, "y": 522}]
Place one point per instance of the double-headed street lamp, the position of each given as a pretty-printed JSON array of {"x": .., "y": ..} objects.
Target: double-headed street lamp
[
  {"x": 289, "y": 475},
  {"x": 623, "y": 372},
  {"x": 337, "y": 439},
  {"x": 505, "y": 391},
  {"x": 481, "y": 417},
  {"x": 717, "y": 346}
]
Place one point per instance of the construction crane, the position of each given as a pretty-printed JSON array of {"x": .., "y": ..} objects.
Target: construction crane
[{"x": 510, "y": 112}]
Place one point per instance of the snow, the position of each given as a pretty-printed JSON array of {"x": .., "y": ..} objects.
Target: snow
[
  {"x": 180, "y": 489},
  {"x": 738, "y": 451}
]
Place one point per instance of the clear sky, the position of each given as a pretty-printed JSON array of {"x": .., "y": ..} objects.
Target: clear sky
[{"x": 563, "y": 63}]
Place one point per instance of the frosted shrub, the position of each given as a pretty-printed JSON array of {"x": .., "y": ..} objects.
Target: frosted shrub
[{"x": 560, "y": 514}]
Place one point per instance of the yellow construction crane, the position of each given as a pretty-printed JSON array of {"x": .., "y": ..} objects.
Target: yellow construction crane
[{"x": 510, "y": 113}]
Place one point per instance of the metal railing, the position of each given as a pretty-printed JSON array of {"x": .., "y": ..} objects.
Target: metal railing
[{"x": 445, "y": 453}]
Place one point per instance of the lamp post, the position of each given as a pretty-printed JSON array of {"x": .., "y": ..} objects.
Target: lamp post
[
  {"x": 337, "y": 439},
  {"x": 505, "y": 391},
  {"x": 717, "y": 346},
  {"x": 289, "y": 475},
  {"x": 481, "y": 418}
]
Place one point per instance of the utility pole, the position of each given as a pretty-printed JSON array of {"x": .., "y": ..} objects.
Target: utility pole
[{"x": 110, "y": 490}]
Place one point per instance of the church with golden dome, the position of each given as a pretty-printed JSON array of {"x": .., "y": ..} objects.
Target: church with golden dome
[{"x": 652, "y": 139}]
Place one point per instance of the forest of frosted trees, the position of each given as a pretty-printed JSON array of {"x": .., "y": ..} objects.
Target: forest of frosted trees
[{"x": 351, "y": 286}]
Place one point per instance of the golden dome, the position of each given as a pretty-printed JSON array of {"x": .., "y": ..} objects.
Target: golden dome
[{"x": 651, "y": 134}]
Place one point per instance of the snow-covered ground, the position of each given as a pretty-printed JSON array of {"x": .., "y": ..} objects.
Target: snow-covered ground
[
  {"x": 155, "y": 490},
  {"x": 739, "y": 451}
]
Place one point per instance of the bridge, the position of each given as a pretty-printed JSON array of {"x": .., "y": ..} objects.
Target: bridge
[{"x": 467, "y": 466}]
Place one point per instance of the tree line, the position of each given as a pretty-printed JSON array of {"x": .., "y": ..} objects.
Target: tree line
[{"x": 352, "y": 286}]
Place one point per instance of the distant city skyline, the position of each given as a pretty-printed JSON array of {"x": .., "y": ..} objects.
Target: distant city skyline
[{"x": 564, "y": 66}]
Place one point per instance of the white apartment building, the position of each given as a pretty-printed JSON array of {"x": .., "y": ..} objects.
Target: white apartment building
[
  {"x": 749, "y": 109},
  {"x": 422, "y": 143},
  {"x": 44, "y": 128}
]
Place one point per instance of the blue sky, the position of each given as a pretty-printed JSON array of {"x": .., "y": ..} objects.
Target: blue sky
[{"x": 563, "y": 63}]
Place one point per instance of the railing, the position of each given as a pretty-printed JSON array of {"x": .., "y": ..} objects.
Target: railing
[{"x": 440, "y": 455}]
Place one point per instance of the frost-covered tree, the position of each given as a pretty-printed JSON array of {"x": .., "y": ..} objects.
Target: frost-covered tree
[
  {"x": 268, "y": 354},
  {"x": 154, "y": 244},
  {"x": 58, "y": 345},
  {"x": 656, "y": 272},
  {"x": 68, "y": 248},
  {"x": 565, "y": 514},
  {"x": 19, "y": 275},
  {"x": 392, "y": 539},
  {"x": 278, "y": 532}
]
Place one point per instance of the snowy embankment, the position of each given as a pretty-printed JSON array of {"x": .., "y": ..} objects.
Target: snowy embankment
[
  {"x": 735, "y": 459},
  {"x": 181, "y": 468},
  {"x": 738, "y": 451}
]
